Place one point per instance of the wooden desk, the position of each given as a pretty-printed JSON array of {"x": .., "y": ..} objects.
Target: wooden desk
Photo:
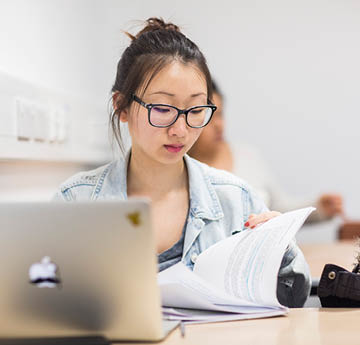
[
  {"x": 325, "y": 326},
  {"x": 341, "y": 253},
  {"x": 301, "y": 326}
]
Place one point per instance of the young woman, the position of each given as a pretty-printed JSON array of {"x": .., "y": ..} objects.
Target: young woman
[{"x": 163, "y": 91}]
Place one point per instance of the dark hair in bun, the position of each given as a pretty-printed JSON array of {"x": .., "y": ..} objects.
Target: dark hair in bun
[
  {"x": 155, "y": 24},
  {"x": 154, "y": 47}
]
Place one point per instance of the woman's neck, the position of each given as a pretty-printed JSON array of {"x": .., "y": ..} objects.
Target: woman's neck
[{"x": 146, "y": 177}]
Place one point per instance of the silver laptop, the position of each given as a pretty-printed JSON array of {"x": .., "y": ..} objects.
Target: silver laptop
[{"x": 78, "y": 270}]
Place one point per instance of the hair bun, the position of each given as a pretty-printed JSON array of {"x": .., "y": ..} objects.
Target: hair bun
[{"x": 153, "y": 24}]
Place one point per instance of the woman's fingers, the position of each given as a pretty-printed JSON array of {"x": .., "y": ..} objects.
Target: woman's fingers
[{"x": 255, "y": 220}]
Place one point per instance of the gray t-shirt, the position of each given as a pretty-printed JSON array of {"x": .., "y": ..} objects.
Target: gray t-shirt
[{"x": 172, "y": 255}]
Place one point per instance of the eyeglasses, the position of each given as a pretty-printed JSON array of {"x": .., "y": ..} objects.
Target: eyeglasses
[{"x": 164, "y": 115}]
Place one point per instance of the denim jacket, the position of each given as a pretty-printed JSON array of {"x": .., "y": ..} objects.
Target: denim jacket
[{"x": 220, "y": 204}]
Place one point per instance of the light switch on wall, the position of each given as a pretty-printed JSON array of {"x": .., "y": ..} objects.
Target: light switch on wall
[
  {"x": 41, "y": 124},
  {"x": 23, "y": 120}
]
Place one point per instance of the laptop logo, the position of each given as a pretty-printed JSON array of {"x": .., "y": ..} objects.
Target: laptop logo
[
  {"x": 44, "y": 274},
  {"x": 134, "y": 218}
]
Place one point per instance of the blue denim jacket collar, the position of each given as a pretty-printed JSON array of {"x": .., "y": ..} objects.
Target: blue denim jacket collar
[{"x": 204, "y": 202}]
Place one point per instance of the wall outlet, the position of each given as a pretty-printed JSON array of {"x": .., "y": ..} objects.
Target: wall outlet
[
  {"x": 23, "y": 120},
  {"x": 41, "y": 124}
]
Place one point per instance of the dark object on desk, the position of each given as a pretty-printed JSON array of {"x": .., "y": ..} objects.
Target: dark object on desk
[
  {"x": 339, "y": 288},
  {"x": 56, "y": 341},
  {"x": 349, "y": 231},
  {"x": 314, "y": 286}
]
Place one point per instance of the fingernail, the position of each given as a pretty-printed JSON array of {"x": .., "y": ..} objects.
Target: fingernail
[{"x": 247, "y": 224}]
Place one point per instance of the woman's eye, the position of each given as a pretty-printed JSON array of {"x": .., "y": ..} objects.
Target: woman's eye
[
  {"x": 161, "y": 110},
  {"x": 196, "y": 111}
]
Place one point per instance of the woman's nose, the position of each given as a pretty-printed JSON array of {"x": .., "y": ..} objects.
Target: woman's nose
[{"x": 179, "y": 128}]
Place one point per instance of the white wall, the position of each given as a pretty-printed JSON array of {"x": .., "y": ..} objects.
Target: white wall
[
  {"x": 56, "y": 44},
  {"x": 289, "y": 70},
  {"x": 49, "y": 51}
]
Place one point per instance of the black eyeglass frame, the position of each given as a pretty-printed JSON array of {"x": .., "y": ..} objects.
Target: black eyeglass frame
[{"x": 149, "y": 106}]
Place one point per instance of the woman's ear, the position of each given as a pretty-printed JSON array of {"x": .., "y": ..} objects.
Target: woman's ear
[{"x": 117, "y": 99}]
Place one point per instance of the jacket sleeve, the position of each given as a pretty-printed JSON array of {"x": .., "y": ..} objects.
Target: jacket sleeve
[
  {"x": 77, "y": 192},
  {"x": 256, "y": 205},
  {"x": 75, "y": 189},
  {"x": 59, "y": 196},
  {"x": 294, "y": 280}
]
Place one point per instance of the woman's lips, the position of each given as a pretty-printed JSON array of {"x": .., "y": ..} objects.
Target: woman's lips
[{"x": 174, "y": 148}]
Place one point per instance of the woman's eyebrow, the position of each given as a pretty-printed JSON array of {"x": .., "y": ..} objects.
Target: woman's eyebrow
[
  {"x": 199, "y": 94},
  {"x": 162, "y": 93}
]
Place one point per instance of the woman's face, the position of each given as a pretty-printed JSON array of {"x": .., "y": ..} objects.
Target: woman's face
[{"x": 182, "y": 86}]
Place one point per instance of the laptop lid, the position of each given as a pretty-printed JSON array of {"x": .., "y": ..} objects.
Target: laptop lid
[{"x": 78, "y": 269}]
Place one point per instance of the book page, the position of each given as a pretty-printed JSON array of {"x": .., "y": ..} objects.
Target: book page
[
  {"x": 203, "y": 316},
  {"x": 246, "y": 265},
  {"x": 182, "y": 288}
]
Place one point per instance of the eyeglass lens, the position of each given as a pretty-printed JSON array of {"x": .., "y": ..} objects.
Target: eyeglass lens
[{"x": 162, "y": 115}]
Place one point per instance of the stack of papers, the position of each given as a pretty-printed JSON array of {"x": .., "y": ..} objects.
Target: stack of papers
[{"x": 235, "y": 278}]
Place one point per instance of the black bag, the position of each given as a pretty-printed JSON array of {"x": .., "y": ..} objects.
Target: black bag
[{"x": 339, "y": 288}]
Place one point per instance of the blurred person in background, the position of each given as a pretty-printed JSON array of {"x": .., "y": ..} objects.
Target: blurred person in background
[{"x": 245, "y": 162}]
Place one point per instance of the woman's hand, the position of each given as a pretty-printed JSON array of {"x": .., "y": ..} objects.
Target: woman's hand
[{"x": 256, "y": 219}]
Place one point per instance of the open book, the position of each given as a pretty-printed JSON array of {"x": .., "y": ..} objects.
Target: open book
[{"x": 235, "y": 278}]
